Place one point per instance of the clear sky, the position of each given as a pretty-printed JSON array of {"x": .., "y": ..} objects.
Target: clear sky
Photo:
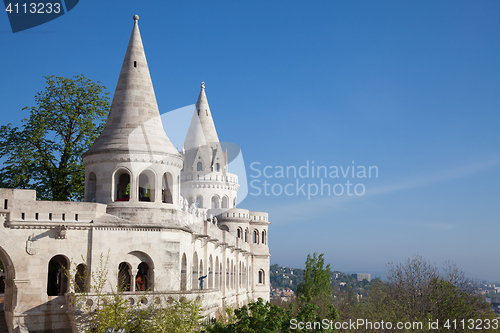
[{"x": 412, "y": 88}]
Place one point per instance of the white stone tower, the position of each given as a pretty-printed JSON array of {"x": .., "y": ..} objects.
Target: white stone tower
[
  {"x": 133, "y": 163},
  {"x": 206, "y": 182}
]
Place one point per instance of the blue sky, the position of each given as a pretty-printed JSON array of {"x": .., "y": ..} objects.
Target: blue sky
[{"x": 409, "y": 87}]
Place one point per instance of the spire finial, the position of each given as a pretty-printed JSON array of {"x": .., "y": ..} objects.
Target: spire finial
[
  {"x": 136, "y": 17},
  {"x": 203, "y": 85}
]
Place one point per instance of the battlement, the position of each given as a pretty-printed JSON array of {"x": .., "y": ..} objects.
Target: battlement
[
  {"x": 201, "y": 176},
  {"x": 233, "y": 214},
  {"x": 21, "y": 205},
  {"x": 259, "y": 217}
]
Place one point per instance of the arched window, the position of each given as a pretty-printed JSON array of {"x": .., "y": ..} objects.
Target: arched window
[
  {"x": 57, "y": 281},
  {"x": 239, "y": 233},
  {"x": 255, "y": 237},
  {"x": 224, "y": 227},
  {"x": 166, "y": 188},
  {"x": 215, "y": 202},
  {"x": 146, "y": 186},
  {"x": 81, "y": 279},
  {"x": 225, "y": 202},
  {"x": 227, "y": 274},
  {"x": 122, "y": 185},
  {"x": 183, "y": 272},
  {"x": 91, "y": 187},
  {"x": 261, "y": 276},
  {"x": 217, "y": 167},
  {"x": 199, "y": 202},
  {"x": 142, "y": 280},
  {"x": 210, "y": 283},
  {"x": 199, "y": 166},
  {"x": 263, "y": 237},
  {"x": 217, "y": 273},
  {"x": 124, "y": 276},
  {"x": 194, "y": 275}
]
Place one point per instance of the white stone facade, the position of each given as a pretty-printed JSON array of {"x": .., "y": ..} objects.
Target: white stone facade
[{"x": 140, "y": 208}]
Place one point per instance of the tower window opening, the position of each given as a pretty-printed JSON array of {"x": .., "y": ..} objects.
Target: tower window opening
[
  {"x": 5, "y": 203},
  {"x": 64, "y": 217},
  {"x": 217, "y": 167},
  {"x": 50, "y": 216},
  {"x": 36, "y": 216},
  {"x": 199, "y": 166},
  {"x": 135, "y": 63},
  {"x": 22, "y": 216},
  {"x": 76, "y": 217}
]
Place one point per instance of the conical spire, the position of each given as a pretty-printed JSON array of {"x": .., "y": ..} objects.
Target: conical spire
[
  {"x": 134, "y": 123},
  {"x": 202, "y": 128}
]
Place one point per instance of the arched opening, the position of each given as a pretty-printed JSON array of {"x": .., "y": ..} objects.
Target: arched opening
[
  {"x": 224, "y": 227},
  {"x": 239, "y": 233},
  {"x": 261, "y": 276},
  {"x": 255, "y": 237},
  {"x": 217, "y": 167},
  {"x": 227, "y": 274},
  {"x": 217, "y": 273},
  {"x": 263, "y": 237},
  {"x": 7, "y": 277},
  {"x": 122, "y": 185},
  {"x": 91, "y": 187},
  {"x": 210, "y": 273},
  {"x": 142, "y": 281},
  {"x": 221, "y": 284},
  {"x": 184, "y": 272},
  {"x": 2, "y": 278},
  {"x": 199, "y": 202},
  {"x": 124, "y": 276},
  {"x": 81, "y": 279},
  {"x": 232, "y": 275},
  {"x": 201, "y": 284},
  {"x": 57, "y": 281},
  {"x": 194, "y": 276},
  {"x": 215, "y": 202},
  {"x": 199, "y": 166},
  {"x": 166, "y": 192},
  {"x": 240, "y": 276},
  {"x": 146, "y": 186},
  {"x": 225, "y": 202}
]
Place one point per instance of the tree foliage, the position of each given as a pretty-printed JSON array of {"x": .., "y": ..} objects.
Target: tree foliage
[
  {"x": 417, "y": 291},
  {"x": 314, "y": 297},
  {"x": 45, "y": 153},
  {"x": 254, "y": 318}
]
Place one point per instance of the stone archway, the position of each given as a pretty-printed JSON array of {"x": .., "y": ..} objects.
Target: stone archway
[{"x": 10, "y": 291}]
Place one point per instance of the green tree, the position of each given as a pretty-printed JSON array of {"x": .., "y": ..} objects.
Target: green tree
[
  {"x": 45, "y": 153},
  {"x": 314, "y": 297},
  {"x": 255, "y": 318}
]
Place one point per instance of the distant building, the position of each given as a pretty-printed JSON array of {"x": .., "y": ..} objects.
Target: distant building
[{"x": 362, "y": 276}]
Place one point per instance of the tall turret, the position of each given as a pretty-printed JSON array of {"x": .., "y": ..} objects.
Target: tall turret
[
  {"x": 206, "y": 182},
  {"x": 133, "y": 160}
]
